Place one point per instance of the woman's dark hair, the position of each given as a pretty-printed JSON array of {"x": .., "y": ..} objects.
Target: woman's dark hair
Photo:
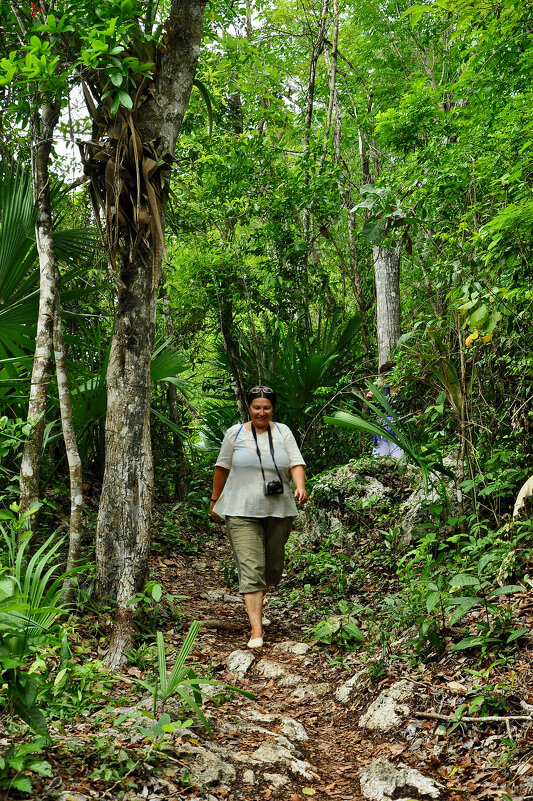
[{"x": 261, "y": 392}]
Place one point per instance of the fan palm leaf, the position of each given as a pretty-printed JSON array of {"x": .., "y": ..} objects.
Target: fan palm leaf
[{"x": 19, "y": 273}]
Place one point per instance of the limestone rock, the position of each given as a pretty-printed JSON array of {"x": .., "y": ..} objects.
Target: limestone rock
[
  {"x": 270, "y": 669},
  {"x": 248, "y": 776},
  {"x": 345, "y": 691},
  {"x": 271, "y": 753},
  {"x": 293, "y": 729},
  {"x": 275, "y": 779},
  {"x": 388, "y": 710},
  {"x": 291, "y": 647},
  {"x": 290, "y": 680},
  {"x": 210, "y": 769},
  {"x": 69, "y": 796},
  {"x": 222, "y": 595},
  {"x": 239, "y": 662},
  {"x": 382, "y": 781},
  {"x": 317, "y": 690},
  {"x": 341, "y": 497}
]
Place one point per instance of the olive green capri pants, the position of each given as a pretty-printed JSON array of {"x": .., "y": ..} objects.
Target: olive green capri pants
[{"x": 258, "y": 545}]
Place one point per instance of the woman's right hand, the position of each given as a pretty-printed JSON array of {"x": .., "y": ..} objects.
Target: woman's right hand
[{"x": 213, "y": 514}]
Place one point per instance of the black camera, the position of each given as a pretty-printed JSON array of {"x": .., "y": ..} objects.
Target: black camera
[{"x": 274, "y": 488}]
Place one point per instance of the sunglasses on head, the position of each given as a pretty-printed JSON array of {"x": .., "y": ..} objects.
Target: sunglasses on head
[{"x": 261, "y": 391}]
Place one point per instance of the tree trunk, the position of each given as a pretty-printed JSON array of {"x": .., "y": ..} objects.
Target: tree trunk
[
  {"x": 43, "y": 125},
  {"x": 387, "y": 278},
  {"x": 180, "y": 475},
  {"x": 124, "y": 517},
  {"x": 317, "y": 50},
  {"x": 71, "y": 447}
]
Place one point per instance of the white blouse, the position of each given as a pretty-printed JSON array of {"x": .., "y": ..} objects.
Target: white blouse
[{"x": 243, "y": 494}]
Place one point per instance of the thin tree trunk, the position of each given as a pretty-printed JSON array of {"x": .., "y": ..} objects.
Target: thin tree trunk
[
  {"x": 124, "y": 516},
  {"x": 317, "y": 50},
  {"x": 180, "y": 483},
  {"x": 71, "y": 446},
  {"x": 43, "y": 125},
  {"x": 387, "y": 278},
  {"x": 346, "y": 196}
]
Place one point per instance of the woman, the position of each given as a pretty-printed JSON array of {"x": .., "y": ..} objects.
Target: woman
[{"x": 251, "y": 490}]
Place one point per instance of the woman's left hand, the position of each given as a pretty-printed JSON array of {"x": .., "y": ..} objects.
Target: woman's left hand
[{"x": 300, "y": 495}]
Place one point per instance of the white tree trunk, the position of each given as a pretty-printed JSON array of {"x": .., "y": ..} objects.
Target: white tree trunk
[
  {"x": 388, "y": 315},
  {"x": 71, "y": 447},
  {"x": 43, "y": 125}
]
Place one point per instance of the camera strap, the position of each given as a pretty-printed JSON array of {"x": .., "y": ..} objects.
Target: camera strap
[{"x": 271, "y": 445}]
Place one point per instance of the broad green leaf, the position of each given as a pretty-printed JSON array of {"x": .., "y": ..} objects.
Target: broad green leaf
[
  {"x": 514, "y": 635},
  {"x": 507, "y": 590},
  {"x": 432, "y": 600},
  {"x": 465, "y": 607},
  {"x": 42, "y": 767},
  {"x": 468, "y": 642},
  {"x": 464, "y": 580},
  {"x": 22, "y": 784}
]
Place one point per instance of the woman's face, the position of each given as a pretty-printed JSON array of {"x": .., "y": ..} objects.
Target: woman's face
[{"x": 261, "y": 411}]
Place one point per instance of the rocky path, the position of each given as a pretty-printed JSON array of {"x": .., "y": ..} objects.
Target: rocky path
[{"x": 300, "y": 736}]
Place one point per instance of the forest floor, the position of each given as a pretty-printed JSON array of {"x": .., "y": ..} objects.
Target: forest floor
[{"x": 299, "y": 736}]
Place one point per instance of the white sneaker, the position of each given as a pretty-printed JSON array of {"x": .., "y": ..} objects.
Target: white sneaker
[
  {"x": 256, "y": 642},
  {"x": 265, "y": 621}
]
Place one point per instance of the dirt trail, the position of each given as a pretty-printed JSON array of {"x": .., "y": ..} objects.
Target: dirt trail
[{"x": 300, "y": 686}]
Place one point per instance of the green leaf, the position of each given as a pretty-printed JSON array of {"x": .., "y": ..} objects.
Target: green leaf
[
  {"x": 514, "y": 635},
  {"x": 468, "y": 642},
  {"x": 42, "y": 767},
  {"x": 22, "y": 784},
  {"x": 478, "y": 317},
  {"x": 115, "y": 105},
  {"x": 352, "y": 632},
  {"x": 464, "y": 580},
  {"x": 162, "y": 665},
  {"x": 507, "y": 590},
  {"x": 432, "y": 600},
  {"x": 157, "y": 592},
  {"x": 207, "y": 100},
  {"x": 116, "y": 78},
  {"x": 125, "y": 99},
  {"x": 465, "y": 607}
]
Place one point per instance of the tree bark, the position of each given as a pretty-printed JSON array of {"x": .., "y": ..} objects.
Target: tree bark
[
  {"x": 387, "y": 278},
  {"x": 43, "y": 124},
  {"x": 71, "y": 447},
  {"x": 124, "y": 517}
]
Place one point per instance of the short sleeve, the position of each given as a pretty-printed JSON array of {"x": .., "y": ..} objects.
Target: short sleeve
[
  {"x": 225, "y": 456},
  {"x": 293, "y": 451}
]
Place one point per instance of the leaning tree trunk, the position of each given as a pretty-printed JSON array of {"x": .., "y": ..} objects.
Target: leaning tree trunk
[
  {"x": 387, "y": 278},
  {"x": 43, "y": 124},
  {"x": 139, "y": 146}
]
